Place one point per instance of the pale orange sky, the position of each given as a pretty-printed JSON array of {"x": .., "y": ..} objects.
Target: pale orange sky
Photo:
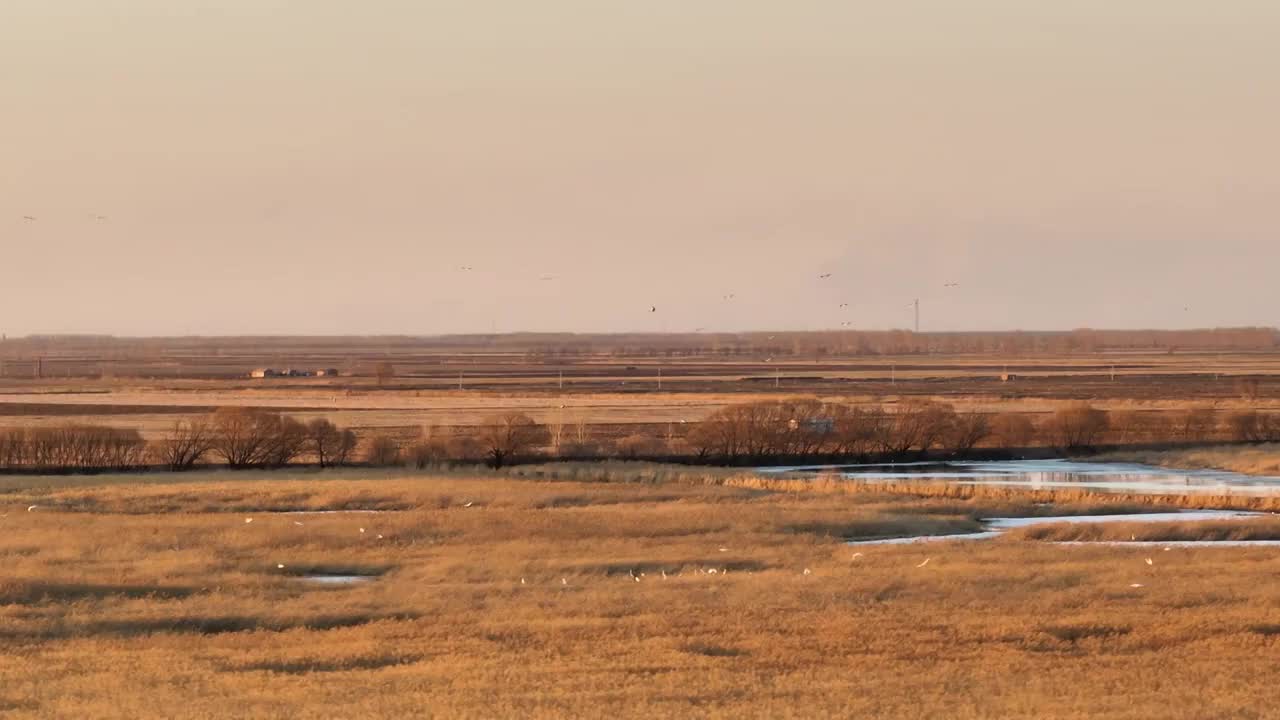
[{"x": 326, "y": 167}]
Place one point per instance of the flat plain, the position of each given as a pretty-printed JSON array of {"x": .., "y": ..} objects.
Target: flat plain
[{"x": 164, "y": 595}]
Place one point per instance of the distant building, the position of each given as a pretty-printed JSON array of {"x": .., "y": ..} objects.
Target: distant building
[
  {"x": 327, "y": 372},
  {"x": 1008, "y": 377},
  {"x": 263, "y": 373}
]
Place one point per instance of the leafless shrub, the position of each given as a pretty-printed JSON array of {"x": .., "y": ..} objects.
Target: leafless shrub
[
  {"x": 383, "y": 451},
  {"x": 1077, "y": 426},
  {"x": 506, "y": 435},
  {"x": 186, "y": 443}
]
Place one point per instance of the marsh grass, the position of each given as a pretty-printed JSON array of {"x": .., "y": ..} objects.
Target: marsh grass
[
  {"x": 157, "y": 600},
  {"x": 1263, "y": 460}
]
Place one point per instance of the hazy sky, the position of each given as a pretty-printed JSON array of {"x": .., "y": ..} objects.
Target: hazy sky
[{"x": 316, "y": 166}]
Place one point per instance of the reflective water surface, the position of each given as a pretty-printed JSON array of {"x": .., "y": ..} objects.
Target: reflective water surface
[{"x": 1104, "y": 477}]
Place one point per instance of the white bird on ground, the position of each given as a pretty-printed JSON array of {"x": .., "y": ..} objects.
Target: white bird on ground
[
  {"x": 32, "y": 507},
  {"x": 856, "y": 556},
  {"x": 807, "y": 571},
  {"x": 664, "y": 574},
  {"x": 279, "y": 567},
  {"x": 362, "y": 530},
  {"x": 712, "y": 571},
  {"x": 468, "y": 504},
  {"x": 295, "y": 522},
  {"x": 1167, "y": 549},
  {"x": 564, "y": 581},
  {"x": 379, "y": 537},
  {"x": 1136, "y": 585},
  {"x": 724, "y": 549},
  {"x": 248, "y": 520},
  {"x": 1150, "y": 561},
  {"x": 926, "y": 562}
]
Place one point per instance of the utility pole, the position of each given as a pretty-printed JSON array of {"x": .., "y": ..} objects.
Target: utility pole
[
  {"x": 917, "y": 304},
  {"x": 659, "y": 379},
  {"x": 777, "y": 377},
  {"x": 459, "y": 379},
  {"x": 561, "y": 379},
  {"x": 893, "y": 374}
]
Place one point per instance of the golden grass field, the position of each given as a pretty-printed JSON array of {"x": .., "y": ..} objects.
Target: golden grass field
[
  {"x": 1253, "y": 460},
  {"x": 151, "y": 596}
]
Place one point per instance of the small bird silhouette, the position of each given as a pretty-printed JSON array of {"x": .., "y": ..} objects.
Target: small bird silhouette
[
  {"x": 824, "y": 276},
  {"x": 29, "y": 218},
  {"x": 653, "y": 308}
]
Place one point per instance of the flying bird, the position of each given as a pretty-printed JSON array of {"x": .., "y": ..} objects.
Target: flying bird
[
  {"x": 28, "y": 218},
  {"x": 653, "y": 308},
  {"x": 824, "y": 276}
]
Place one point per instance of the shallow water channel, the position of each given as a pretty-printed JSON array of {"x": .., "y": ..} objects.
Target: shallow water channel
[
  {"x": 995, "y": 527},
  {"x": 1047, "y": 474},
  {"x": 1056, "y": 474}
]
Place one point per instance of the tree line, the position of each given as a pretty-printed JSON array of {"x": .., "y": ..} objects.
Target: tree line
[{"x": 761, "y": 431}]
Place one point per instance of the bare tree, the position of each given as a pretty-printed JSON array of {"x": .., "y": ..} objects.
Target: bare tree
[
  {"x": 324, "y": 439},
  {"x": 186, "y": 443},
  {"x": 249, "y": 437},
  {"x": 1078, "y": 426},
  {"x": 507, "y": 435},
  {"x": 966, "y": 431},
  {"x": 383, "y": 451},
  {"x": 342, "y": 452}
]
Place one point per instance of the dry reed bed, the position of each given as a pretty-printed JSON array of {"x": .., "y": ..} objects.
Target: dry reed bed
[
  {"x": 1102, "y": 501},
  {"x": 1206, "y": 531},
  {"x": 194, "y": 606},
  {"x": 1247, "y": 460}
]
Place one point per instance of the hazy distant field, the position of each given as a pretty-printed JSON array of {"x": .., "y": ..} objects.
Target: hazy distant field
[
  {"x": 620, "y": 395},
  {"x": 184, "y": 595}
]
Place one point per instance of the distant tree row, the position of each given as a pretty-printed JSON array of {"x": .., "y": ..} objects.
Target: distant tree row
[{"x": 757, "y": 431}]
